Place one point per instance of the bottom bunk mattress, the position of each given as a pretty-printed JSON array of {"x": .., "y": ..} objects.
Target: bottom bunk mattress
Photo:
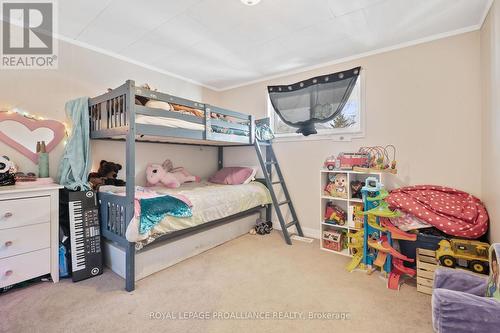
[{"x": 209, "y": 202}]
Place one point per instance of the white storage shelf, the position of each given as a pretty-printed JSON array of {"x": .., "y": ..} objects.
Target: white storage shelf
[{"x": 344, "y": 203}]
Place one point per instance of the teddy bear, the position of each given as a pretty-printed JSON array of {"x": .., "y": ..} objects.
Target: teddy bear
[
  {"x": 165, "y": 174},
  {"x": 106, "y": 175}
]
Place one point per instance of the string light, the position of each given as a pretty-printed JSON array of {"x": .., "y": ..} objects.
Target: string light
[
  {"x": 22, "y": 113},
  {"x": 26, "y": 114}
]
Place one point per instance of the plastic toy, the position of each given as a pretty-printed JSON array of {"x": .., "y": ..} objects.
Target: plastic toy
[
  {"x": 379, "y": 158},
  {"x": 330, "y": 163},
  {"x": 378, "y": 236},
  {"x": 355, "y": 243},
  {"x": 337, "y": 187},
  {"x": 347, "y": 161},
  {"x": 472, "y": 255},
  {"x": 357, "y": 215},
  {"x": 333, "y": 240},
  {"x": 335, "y": 214},
  {"x": 356, "y": 187}
]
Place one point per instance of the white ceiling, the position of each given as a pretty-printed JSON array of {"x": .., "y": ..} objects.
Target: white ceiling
[{"x": 223, "y": 43}]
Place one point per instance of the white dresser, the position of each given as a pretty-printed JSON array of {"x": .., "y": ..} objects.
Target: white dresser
[{"x": 29, "y": 232}]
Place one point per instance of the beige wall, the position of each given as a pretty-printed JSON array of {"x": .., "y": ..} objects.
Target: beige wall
[
  {"x": 83, "y": 72},
  {"x": 424, "y": 99},
  {"x": 490, "y": 75}
]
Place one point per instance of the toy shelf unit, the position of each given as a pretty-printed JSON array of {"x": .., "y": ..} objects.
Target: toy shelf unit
[{"x": 340, "y": 199}]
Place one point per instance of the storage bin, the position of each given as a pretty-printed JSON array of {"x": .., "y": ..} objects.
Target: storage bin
[
  {"x": 426, "y": 266},
  {"x": 424, "y": 241}
]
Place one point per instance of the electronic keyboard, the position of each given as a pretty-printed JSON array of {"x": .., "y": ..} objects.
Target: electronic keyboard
[{"x": 85, "y": 236}]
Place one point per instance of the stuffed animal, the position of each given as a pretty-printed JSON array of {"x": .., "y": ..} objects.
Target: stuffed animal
[
  {"x": 338, "y": 188},
  {"x": 168, "y": 176},
  {"x": 106, "y": 175},
  {"x": 6, "y": 171}
]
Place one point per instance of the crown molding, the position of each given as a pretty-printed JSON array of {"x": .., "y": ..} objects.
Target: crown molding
[
  {"x": 130, "y": 60},
  {"x": 485, "y": 13},
  {"x": 358, "y": 56},
  {"x": 287, "y": 73}
]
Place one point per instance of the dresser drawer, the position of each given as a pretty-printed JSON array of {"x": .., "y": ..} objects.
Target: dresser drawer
[
  {"x": 24, "y": 267},
  {"x": 25, "y": 211},
  {"x": 20, "y": 240}
]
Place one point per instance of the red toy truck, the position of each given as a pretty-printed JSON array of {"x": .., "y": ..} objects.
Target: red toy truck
[{"x": 347, "y": 161}]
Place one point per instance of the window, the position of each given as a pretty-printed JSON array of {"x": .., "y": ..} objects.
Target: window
[{"x": 349, "y": 121}]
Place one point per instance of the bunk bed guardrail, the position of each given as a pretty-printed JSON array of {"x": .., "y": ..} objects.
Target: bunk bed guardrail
[
  {"x": 114, "y": 221},
  {"x": 110, "y": 117}
]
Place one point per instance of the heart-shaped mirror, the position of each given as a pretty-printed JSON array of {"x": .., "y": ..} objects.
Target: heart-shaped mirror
[{"x": 23, "y": 133}]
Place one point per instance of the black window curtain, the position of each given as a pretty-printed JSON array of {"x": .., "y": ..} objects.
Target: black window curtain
[{"x": 315, "y": 100}]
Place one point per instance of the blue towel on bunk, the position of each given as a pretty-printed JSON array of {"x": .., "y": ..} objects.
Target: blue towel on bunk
[
  {"x": 153, "y": 210},
  {"x": 75, "y": 163}
]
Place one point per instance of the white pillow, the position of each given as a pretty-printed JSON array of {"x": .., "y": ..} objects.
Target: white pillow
[{"x": 158, "y": 105}]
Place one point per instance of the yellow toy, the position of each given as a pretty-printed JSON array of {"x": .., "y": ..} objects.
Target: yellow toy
[
  {"x": 357, "y": 215},
  {"x": 355, "y": 243},
  {"x": 469, "y": 254}
]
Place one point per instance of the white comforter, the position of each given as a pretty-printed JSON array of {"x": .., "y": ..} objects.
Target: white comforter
[
  {"x": 210, "y": 202},
  {"x": 169, "y": 122}
]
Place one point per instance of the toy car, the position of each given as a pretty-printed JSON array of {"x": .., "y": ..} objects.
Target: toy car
[
  {"x": 472, "y": 255},
  {"x": 335, "y": 214},
  {"x": 347, "y": 161},
  {"x": 330, "y": 163}
]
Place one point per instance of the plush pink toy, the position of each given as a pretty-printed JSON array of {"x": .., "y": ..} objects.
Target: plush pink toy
[{"x": 167, "y": 175}]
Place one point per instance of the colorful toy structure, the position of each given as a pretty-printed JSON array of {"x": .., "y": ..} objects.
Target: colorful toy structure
[
  {"x": 374, "y": 244},
  {"x": 379, "y": 158}
]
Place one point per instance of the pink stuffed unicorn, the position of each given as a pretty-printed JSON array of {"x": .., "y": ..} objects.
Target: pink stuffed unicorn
[{"x": 167, "y": 175}]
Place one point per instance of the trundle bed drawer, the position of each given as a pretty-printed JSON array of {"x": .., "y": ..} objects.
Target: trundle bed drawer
[
  {"x": 20, "y": 240},
  {"x": 24, "y": 211},
  {"x": 24, "y": 267}
]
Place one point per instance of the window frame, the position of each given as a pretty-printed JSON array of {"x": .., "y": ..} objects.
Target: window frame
[{"x": 336, "y": 134}]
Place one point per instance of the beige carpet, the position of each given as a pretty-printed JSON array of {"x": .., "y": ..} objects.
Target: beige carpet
[{"x": 249, "y": 274}]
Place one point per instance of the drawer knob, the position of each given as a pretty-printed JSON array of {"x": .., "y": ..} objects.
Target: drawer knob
[
  {"x": 9, "y": 272},
  {"x": 7, "y": 215},
  {"x": 8, "y": 243}
]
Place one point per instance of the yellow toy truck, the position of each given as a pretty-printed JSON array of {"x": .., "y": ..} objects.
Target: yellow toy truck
[{"x": 468, "y": 254}]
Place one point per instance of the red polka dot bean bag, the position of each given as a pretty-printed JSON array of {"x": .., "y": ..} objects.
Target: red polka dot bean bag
[{"x": 452, "y": 211}]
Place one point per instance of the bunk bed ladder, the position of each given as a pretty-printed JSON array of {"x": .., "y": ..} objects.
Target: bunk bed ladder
[{"x": 267, "y": 168}]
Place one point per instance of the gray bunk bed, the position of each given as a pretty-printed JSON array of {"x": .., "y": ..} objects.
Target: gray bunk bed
[{"x": 113, "y": 116}]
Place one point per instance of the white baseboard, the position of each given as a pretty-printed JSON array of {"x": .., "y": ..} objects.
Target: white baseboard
[{"x": 308, "y": 232}]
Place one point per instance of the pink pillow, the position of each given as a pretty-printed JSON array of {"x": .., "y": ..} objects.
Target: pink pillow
[{"x": 233, "y": 176}]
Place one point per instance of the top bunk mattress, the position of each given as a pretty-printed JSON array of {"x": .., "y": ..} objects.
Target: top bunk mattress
[
  {"x": 179, "y": 123},
  {"x": 210, "y": 202}
]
